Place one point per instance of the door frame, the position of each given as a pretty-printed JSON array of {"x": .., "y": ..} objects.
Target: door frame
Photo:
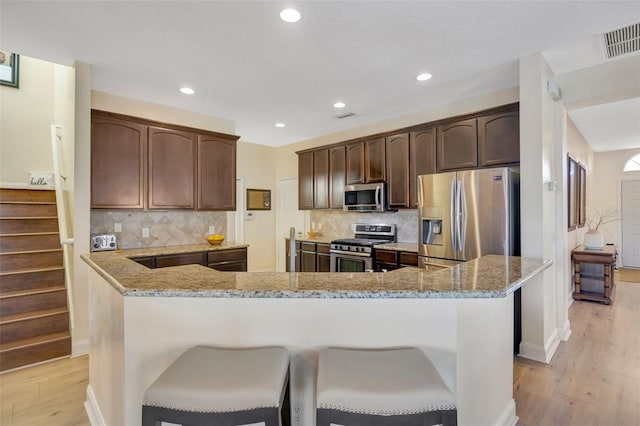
[{"x": 620, "y": 244}]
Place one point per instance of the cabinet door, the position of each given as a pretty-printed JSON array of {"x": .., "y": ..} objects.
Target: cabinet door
[
  {"x": 457, "y": 146},
  {"x": 398, "y": 170},
  {"x": 355, "y": 163},
  {"x": 118, "y": 160},
  {"x": 305, "y": 181},
  {"x": 308, "y": 261},
  {"x": 337, "y": 170},
  {"x": 216, "y": 174},
  {"x": 321, "y": 179},
  {"x": 499, "y": 139},
  {"x": 374, "y": 160},
  {"x": 172, "y": 163},
  {"x": 323, "y": 263},
  {"x": 422, "y": 159}
]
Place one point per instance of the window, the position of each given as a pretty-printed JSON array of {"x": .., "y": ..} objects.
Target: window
[{"x": 633, "y": 165}]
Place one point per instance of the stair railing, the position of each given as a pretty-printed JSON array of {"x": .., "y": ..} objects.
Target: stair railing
[{"x": 64, "y": 216}]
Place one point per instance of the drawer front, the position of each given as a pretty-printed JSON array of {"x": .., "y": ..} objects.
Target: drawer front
[
  {"x": 324, "y": 248},
  {"x": 180, "y": 259},
  {"x": 386, "y": 256},
  {"x": 308, "y": 246},
  {"x": 229, "y": 255},
  {"x": 408, "y": 258}
]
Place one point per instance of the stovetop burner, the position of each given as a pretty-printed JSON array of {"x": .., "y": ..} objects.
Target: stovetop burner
[
  {"x": 365, "y": 238},
  {"x": 366, "y": 242}
]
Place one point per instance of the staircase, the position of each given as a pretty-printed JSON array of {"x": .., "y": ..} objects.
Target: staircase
[{"x": 34, "y": 319}]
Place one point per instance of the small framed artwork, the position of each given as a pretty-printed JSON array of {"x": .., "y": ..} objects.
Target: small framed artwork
[
  {"x": 582, "y": 195},
  {"x": 572, "y": 188},
  {"x": 9, "y": 68},
  {"x": 258, "y": 199}
]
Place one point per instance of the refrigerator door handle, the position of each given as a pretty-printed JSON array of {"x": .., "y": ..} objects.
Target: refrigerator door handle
[
  {"x": 462, "y": 228},
  {"x": 454, "y": 216}
]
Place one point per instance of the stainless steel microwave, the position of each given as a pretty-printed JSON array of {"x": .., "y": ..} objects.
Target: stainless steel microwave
[{"x": 366, "y": 197}]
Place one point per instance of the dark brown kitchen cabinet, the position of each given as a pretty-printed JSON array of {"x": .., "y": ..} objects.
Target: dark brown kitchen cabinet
[
  {"x": 180, "y": 259},
  {"x": 355, "y": 163},
  {"x": 397, "y": 157},
  {"x": 386, "y": 260},
  {"x": 422, "y": 159},
  {"x": 216, "y": 173},
  {"x": 321, "y": 179},
  {"x": 232, "y": 260},
  {"x": 305, "y": 181},
  {"x": 118, "y": 163},
  {"x": 457, "y": 146},
  {"x": 408, "y": 259},
  {"x": 337, "y": 173},
  {"x": 172, "y": 169},
  {"x": 308, "y": 257},
  {"x": 499, "y": 139},
  {"x": 374, "y": 160},
  {"x": 323, "y": 258}
]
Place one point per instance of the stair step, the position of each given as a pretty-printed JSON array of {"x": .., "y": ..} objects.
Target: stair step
[
  {"x": 11, "y": 262},
  {"x": 31, "y": 279},
  {"x": 34, "y": 195},
  {"x": 27, "y": 210},
  {"x": 28, "y": 225},
  {"x": 35, "y": 349},
  {"x": 31, "y": 324},
  {"x": 19, "y": 302},
  {"x": 29, "y": 242}
]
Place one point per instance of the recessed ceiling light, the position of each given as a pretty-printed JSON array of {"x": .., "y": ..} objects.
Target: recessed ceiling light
[
  {"x": 280, "y": 124},
  {"x": 290, "y": 15},
  {"x": 423, "y": 77},
  {"x": 339, "y": 105},
  {"x": 187, "y": 91}
]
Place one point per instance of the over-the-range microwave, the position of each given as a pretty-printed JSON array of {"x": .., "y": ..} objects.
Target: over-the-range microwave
[{"x": 365, "y": 197}]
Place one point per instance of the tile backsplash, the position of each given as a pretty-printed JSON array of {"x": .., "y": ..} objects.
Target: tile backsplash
[
  {"x": 166, "y": 228},
  {"x": 337, "y": 223}
]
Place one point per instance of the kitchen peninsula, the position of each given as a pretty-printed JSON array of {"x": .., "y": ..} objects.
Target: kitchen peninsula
[{"x": 142, "y": 319}]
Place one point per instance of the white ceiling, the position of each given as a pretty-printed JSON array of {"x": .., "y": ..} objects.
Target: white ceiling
[{"x": 245, "y": 64}]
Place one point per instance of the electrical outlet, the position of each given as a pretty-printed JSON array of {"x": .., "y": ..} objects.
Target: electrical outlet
[
  {"x": 297, "y": 416},
  {"x": 319, "y": 226},
  {"x": 145, "y": 232},
  {"x": 313, "y": 225},
  {"x": 117, "y": 227},
  {"x": 212, "y": 229}
]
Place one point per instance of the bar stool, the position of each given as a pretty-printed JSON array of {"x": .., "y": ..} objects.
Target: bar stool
[
  {"x": 222, "y": 387},
  {"x": 397, "y": 387}
]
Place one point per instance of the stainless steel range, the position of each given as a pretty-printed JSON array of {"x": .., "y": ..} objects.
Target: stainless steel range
[{"x": 356, "y": 254}]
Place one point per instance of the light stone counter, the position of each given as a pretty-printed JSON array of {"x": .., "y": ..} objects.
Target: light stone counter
[
  {"x": 488, "y": 277},
  {"x": 409, "y": 247},
  {"x": 317, "y": 239}
]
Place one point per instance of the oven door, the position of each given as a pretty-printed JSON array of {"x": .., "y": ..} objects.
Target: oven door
[{"x": 350, "y": 262}]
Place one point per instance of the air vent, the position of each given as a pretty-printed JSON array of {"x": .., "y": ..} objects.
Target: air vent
[
  {"x": 622, "y": 41},
  {"x": 345, "y": 115}
]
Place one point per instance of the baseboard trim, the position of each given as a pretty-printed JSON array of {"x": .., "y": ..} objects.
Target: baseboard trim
[
  {"x": 565, "y": 331},
  {"x": 508, "y": 416},
  {"x": 539, "y": 353},
  {"x": 93, "y": 410},
  {"x": 79, "y": 347}
]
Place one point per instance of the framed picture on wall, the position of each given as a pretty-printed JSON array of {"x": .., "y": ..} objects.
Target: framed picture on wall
[
  {"x": 582, "y": 195},
  {"x": 258, "y": 199},
  {"x": 9, "y": 68},
  {"x": 572, "y": 189}
]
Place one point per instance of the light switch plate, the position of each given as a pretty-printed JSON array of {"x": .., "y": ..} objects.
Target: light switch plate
[
  {"x": 145, "y": 232},
  {"x": 117, "y": 227}
]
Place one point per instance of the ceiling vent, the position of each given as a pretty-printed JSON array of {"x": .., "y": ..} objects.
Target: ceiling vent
[
  {"x": 622, "y": 41},
  {"x": 345, "y": 115}
]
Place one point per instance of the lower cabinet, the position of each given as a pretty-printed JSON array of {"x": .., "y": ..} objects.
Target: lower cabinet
[
  {"x": 389, "y": 260},
  {"x": 323, "y": 258},
  {"x": 310, "y": 257},
  {"x": 221, "y": 260}
]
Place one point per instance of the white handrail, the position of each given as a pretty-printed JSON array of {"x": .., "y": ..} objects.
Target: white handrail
[{"x": 61, "y": 206}]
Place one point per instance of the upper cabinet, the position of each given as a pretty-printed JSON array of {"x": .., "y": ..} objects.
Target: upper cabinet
[
  {"x": 457, "y": 146},
  {"x": 422, "y": 159},
  {"x": 499, "y": 139},
  {"x": 137, "y": 163},
  {"x": 375, "y": 160},
  {"x": 216, "y": 173},
  {"x": 118, "y": 163},
  {"x": 321, "y": 179},
  {"x": 398, "y": 170},
  {"x": 355, "y": 163},
  {"x": 337, "y": 174},
  {"x": 305, "y": 181}
]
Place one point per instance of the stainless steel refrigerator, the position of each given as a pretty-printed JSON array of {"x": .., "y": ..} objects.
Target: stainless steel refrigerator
[{"x": 467, "y": 214}]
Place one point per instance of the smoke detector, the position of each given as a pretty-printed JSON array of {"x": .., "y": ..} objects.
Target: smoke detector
[
  {"x": 344, "y": 115},
  {"x": 622, "y": 41}
]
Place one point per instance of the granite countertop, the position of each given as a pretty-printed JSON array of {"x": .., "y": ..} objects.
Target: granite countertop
[
  {"x": 191, "y": 248},
  {"x": 488, "y": 277},
  {"x": 409, "y": 247},
  {"x": 316, "y": 239}
]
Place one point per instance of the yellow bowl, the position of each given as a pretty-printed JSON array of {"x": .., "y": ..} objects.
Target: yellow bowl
[
  {"x": 215, "y": 240},
  {"x": 312, "y": 234}
]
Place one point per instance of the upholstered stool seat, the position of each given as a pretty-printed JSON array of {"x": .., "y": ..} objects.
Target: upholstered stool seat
[
  {"x": 382, "y": 387},
  {"x": 222, "y": 387}
]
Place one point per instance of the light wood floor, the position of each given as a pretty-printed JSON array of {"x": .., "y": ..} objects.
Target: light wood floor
[{"x": 593, "y": 379}]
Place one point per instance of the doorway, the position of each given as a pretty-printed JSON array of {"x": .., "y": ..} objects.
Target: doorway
[
  {"x": 287, "y": 216},
  {"x": 630, "y": 223}
]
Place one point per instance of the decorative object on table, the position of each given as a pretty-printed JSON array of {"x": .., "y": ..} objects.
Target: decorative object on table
[
  {"x": 593, "y": 240},
  {"x": 9, "y": 68},
  {"x": 258, "y": 199},
  {"x": 312, "y": 234},
  {"x": 215, "y": 239}
]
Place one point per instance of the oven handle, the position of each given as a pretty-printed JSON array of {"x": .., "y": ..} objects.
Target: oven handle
[{"x": 350, "y": 253}]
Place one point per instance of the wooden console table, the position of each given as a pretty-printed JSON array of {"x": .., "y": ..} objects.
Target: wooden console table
[{"x": 605, "y": 257}]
